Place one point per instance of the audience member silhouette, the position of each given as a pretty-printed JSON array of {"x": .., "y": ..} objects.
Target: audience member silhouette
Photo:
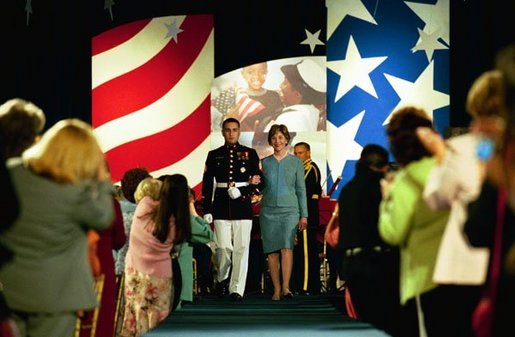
[
  {"x": 201, "y": 233},
  {"x": 21, "y": 123},
  {"x": 491, "y": 219},
  {"x": 64, "y": 189},
  {"x": 456, "y": 181},
  {"x": 407, "y": 221},
  {"x": 370, "y": 266},
  {"x": 130, "y": 180},
  {"x": 9, "y": 209},
  {"x": 156, "y": 228}
]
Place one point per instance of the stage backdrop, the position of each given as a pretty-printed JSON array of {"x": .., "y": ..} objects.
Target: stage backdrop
[
  {"x": 151, "y": 82},
  {"x": 382, "y": 55},
  {"x": 401, "y": 48},
  {"x": 152, "y": 78}
]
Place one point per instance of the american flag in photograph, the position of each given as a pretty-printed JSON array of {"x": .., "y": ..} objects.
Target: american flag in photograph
[
  {"x": 230, "y": 97},
  {"x": 151, "y": 82},
  {"x": 248, "y": 107},
  {"x": 225, "y": 100},
  {"x": 382, "y": 55}
]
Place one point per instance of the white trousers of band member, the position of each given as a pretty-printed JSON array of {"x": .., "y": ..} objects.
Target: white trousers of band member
[{"x": 232, "y": 239}]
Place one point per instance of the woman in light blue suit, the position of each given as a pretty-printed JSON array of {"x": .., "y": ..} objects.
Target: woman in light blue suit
[
  {"x": 283, "y": 209},
  {"x": 64, "y": 190}
]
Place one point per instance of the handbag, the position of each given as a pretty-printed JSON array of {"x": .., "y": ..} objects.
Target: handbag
[
  {"x": 94, "y": 260},
  {"x": 483, "y": 315},
  {"x": 332, "y": 231}
]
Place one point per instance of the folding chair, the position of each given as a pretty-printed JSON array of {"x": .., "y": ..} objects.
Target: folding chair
[
  {"x": 118, "y": 316},
  {"x": 88, "y": 322}
]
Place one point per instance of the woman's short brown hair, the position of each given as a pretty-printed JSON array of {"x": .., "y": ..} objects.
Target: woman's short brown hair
[
  {"x": 401, "y": 131},
  {"x": 21, "y": 122},
  {"x": 130, "y": 180},
  {"x": 275, "y": 129}
]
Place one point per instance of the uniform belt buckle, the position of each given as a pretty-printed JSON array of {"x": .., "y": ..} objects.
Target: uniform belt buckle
[{"x": 231, "y": 184}]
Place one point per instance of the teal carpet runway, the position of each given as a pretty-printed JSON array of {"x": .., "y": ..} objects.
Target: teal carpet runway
[{"x": 258, "y": 315}]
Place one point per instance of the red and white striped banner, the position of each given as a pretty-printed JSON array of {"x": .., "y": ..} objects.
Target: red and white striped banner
[{"x": 151, "y": 83}]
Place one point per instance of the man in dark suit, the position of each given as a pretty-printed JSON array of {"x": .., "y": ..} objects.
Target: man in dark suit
[
  {"x": 231, "y": 175},
  {"x": 370, "y": 266},
  {"x": 306, "y": 264}
]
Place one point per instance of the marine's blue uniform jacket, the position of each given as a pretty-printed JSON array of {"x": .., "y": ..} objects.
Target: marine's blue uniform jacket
[{"x": 229, "y": 164}]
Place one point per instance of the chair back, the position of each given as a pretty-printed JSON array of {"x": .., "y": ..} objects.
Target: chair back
[{"x": 86, "y": 325}]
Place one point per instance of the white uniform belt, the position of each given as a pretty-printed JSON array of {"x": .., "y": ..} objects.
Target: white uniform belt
[{"x": 233, "y": 184}]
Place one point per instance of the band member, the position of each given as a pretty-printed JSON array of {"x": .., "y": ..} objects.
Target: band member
[{"x": 306, "y": 264}]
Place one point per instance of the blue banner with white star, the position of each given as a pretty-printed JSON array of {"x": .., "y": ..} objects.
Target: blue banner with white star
[{"x": 377, "y": 62}]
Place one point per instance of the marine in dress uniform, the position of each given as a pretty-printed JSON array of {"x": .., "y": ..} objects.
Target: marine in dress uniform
[{"x": 227, "y": 186}]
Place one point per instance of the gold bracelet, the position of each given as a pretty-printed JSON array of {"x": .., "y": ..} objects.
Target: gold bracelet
[{"x": 335, "y": 214}]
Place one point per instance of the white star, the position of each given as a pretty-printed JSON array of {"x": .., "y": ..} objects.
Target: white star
[
  {"x": 173, "y": 30},
  {"x": 435, "y": 17},
  {"x": 337, "y": 11},
  {"x": 354, "y": 71},
  {"x": 343, "y": 147},
  {"x": 429, "y": 43},
  {"x": 312, "y": 40},
  {"x": 419, "y": 93}
]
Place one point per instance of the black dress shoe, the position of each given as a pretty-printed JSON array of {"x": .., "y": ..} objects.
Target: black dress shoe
[
  {"x": 222, "y": 288},
  {"x": 288, "y": 296},
  {"x": 235, "y": 297}
]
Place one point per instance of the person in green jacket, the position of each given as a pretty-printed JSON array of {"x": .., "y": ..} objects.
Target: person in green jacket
[
  {"x": 200, "y": 233},
  {"x": 407, "y": 221}
]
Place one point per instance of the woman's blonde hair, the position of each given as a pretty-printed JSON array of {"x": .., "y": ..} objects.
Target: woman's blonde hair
[
  {"x": 67, "y": 153},
  {"x": 148, "y": 187},
  {"x": 487, "y": 95}
]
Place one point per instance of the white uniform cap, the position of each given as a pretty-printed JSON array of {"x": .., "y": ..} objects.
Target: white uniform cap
[{"x": 312, "y": 74}]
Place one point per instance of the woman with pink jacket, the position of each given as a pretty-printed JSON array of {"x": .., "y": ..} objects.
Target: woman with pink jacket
[{"x": 156, "y": 227}]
